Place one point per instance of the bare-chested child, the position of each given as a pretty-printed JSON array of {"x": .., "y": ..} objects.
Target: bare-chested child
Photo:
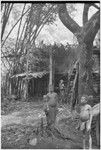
[
  {"x": 85, "y": 119},
  {"x": 50, "y": 106}
]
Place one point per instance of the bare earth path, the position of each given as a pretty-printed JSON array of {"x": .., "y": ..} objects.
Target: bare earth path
[
  {"x": 22, "y": 117},
  {"x": 32, "y": 117},
  {"x": 28, "y": 116},
  {"x": 18, "y": 128}
]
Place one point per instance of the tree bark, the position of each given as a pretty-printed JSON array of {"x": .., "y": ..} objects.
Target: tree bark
[
  {"x": 85, "y": 36},
  {"x": 67, "y": 20},
  {"x": 85, "y": 13}
]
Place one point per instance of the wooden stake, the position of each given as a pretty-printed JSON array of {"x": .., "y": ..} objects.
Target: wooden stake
[{"x": 51, "y": 70}]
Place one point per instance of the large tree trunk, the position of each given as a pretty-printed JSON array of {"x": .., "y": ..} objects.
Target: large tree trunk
[
  {"x": 85, "y": 70},
  {"x": 85, "y": 36}
]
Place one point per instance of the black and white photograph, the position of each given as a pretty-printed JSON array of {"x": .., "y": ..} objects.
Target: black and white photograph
[{"x": 50, "y": 75}]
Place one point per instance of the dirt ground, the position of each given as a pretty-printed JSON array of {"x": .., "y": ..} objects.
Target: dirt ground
[{"x": 21, "y": 124}]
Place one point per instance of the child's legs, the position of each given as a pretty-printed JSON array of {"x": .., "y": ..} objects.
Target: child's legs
[
  {"x": 90, "y": 141},
  {"x": 84, "y": 139},
  {"x": 78, "y": 124},
  {"x": 83, "y": 128},
  {"x": 88, "y": 128}
]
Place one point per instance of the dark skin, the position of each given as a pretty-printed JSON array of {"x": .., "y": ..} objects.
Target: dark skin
[
  {"x": 50, "y": 109},
  {"x": 85, "y": 120}
]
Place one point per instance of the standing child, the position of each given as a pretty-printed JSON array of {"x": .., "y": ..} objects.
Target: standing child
[
  {"x": 62, "y": 90},
  {"x": 51, "y": 106},
  {"x": 85, "y": 119}
]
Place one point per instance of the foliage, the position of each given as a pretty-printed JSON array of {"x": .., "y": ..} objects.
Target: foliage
[
  {"x": 63, "y": 57},
  {"x": 33, "y": 16},
  {"x": 17, "y": 55},
  {"x": 24, "y": 56},
  {"x": 6, "y": 10},
  {"x": 37, "y": 15}
]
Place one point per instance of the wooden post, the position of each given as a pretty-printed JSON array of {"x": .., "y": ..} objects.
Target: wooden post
[
  {"x": 27, "y": 72},
  {"x": 10, "y": 88},
  {"x": 50, "y": 79},
  {"x": 51, "y": 70}
]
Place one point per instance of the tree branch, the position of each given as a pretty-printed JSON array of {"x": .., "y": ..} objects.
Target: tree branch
[
  {"x": 67, "y": 20},
  {"x": 42, "y": 23},
  {"x": 85, "y": 13},
  {"x": 96, "y": 6},
  {"x": 91, "y": 28},
  {"x": 13, "y": 28},
  {"x": 5, "y": 57},
  {"x": 4, "y": 65},
  {"x": 6, "y": 15},
  {"x": 16, "y": 46},
  {"x": 22, "y": 31}
]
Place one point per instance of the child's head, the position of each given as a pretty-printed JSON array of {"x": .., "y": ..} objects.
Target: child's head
[
  {"x": 45, "y": 98},
  {"x": 85, "y": 99},
  {"x": 61, "y": 81}
]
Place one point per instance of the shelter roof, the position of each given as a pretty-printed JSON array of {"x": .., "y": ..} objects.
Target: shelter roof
[{"x": 34, "y": 74}]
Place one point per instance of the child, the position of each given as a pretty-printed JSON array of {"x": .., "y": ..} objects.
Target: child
[
  {"x": 46, "y": 107},
  {"x": 85, "y": 119},
  {"x": 50, "y": 106},
  {"x": 62, "y": 90}
]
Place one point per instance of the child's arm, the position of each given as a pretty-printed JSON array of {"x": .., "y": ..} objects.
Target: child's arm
[
  {"x": 46, "y": 102},
  {"x": 90, "y": 120}
]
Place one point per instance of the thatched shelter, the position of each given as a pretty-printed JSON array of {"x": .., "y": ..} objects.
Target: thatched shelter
[{"x": 38, "y": 83}]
